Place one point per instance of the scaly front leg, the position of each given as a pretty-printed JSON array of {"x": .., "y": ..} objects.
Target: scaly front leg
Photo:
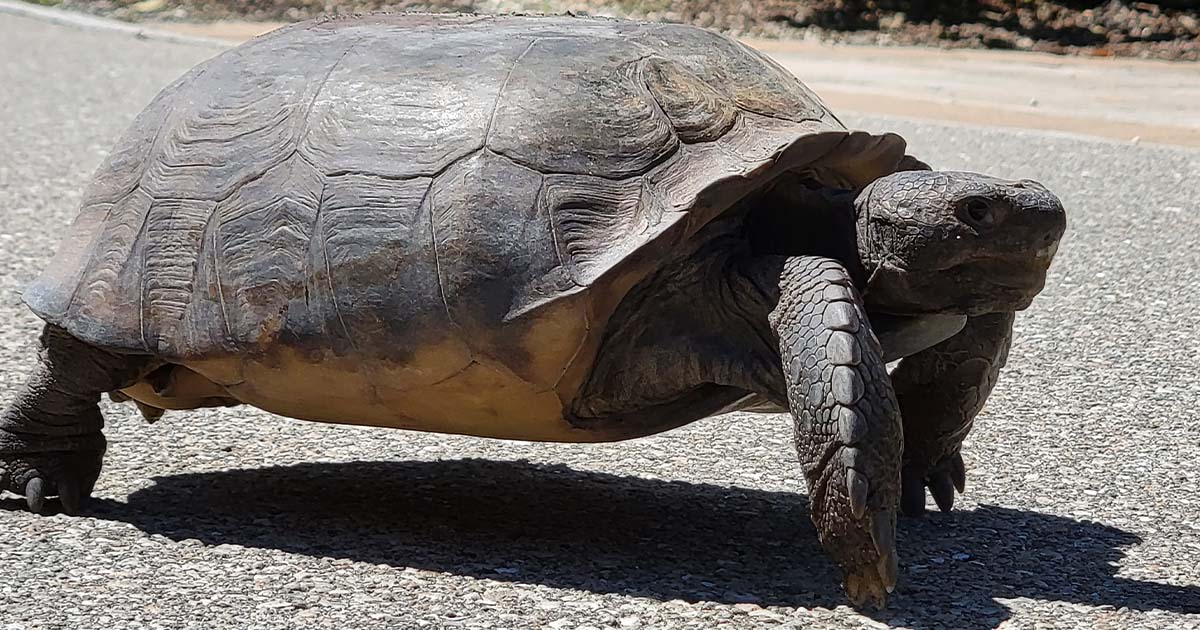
[
  {"x": 848, "y": 427},
  {"x": 941, "y": 390}
]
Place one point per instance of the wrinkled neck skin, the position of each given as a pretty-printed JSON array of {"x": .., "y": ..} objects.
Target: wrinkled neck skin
[
  {"x": 901, "y": 330},
  {"x": 874, "y": 261},
  {"x": 886, "y": 283},
  {"x": 868, "y": 256}
]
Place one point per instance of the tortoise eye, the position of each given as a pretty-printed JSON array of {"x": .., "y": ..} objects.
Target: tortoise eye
[{"x": 977, "y": 213}]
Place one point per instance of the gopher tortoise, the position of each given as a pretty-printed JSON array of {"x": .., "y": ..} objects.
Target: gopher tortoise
[{"x": 556, "y": 228}]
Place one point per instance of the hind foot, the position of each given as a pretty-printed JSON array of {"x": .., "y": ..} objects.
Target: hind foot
[{"x": 39, "y": 467}]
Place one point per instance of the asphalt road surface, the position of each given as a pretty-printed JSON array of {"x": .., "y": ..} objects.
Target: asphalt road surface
[{"x": 1082, "y": 509}]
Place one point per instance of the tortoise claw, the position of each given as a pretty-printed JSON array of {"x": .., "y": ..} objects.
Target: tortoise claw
[
  {"x": 35, "y": 494},
  {"x": 943, "y": 482},
  {"x": 942, "y": 489},
  {"x": 870, "y": 584},
  {"x": 40, "y": 468},
  {"x": 958, "y": 472},
  {"x": 883, "y": 534}
]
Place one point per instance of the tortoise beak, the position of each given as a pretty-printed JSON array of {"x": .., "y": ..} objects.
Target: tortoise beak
[{"x": 1046, "y": 254}]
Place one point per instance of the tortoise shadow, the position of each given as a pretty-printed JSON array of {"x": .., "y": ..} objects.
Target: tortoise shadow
[{"x": 566, "y": 528}]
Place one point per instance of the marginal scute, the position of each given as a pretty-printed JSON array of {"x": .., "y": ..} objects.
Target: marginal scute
[
  {"x": 122, "y": 170},
  {"x": 490, "y": 239},
  {"x": 593, "y": 219},
  {"x": 683, "y": 179},
  {"x": 110, "y": 273}
]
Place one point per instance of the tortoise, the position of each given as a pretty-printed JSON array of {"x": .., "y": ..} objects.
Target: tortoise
[{"x": 538, "y": 228}]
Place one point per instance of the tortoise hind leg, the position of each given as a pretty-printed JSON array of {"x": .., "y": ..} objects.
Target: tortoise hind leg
[{"x": 50, "y": 435}]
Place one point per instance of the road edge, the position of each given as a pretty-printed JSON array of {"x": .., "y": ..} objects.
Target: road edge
[{"x": 87, "y": 22}]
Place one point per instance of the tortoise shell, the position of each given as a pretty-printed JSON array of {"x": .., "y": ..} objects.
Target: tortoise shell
[{"x": 425, "y": 221}]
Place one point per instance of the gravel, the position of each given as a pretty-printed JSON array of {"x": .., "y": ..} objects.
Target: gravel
[{"x": 1081, "y": 510}]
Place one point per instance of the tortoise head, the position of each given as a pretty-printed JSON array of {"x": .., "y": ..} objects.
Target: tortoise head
[{"x": 955, "y": 243}]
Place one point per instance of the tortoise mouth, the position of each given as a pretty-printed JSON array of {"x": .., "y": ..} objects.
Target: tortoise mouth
[
  {"x": 1013, "y": 272},
  {"x": 975, "y": 287},
  {"x": 1018, "y": 282},
  {"x": 1001, "y": 287}
]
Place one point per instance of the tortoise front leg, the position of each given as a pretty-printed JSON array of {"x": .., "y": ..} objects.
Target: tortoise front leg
[
  {"x": 848, "y": 427},
  {"x": 941, "y": 390}
]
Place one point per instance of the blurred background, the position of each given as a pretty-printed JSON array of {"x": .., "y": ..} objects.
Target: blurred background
[
  {"x": 1099, "y": 68},
  {"x": 1165, "y": 29}
]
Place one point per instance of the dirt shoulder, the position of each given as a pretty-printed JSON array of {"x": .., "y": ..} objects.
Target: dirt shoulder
[{"x": 1120, "y": 99}]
